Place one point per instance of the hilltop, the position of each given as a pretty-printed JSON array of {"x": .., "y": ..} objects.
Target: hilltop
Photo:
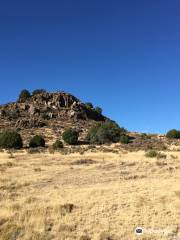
[{"x": 48, "y": 112}]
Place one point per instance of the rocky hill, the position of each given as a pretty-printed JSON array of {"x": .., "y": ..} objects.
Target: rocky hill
[{"x": 50, "y": 112}]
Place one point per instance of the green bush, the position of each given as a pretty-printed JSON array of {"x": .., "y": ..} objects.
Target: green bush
[
  {"x": 10, "y": 139},
  {"x": 151, "y": 154},
  {"x": 173, "y": 134},
  {"x": 57, "y": 145},
  {"x": 24, "y": 95},
  {"x": 92, "y": 133},
  {"x": 124, "y": 139},
  {"x": 107, "y": 132},
  {"x": 70, "y": 136},
  {"x": 37, "y": 141},
  {"x": 38, "y": 91},
  {"x": 98, "y": 110},
  {"x": 89, "y": 105}
]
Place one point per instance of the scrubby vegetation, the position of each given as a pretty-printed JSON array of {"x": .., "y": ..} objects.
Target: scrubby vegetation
[
  {"x": 10, "y": 139},
  {"x": 98, "y": 110},
  {"x": 173, "y": 134},
  {"x": 108, "y": 132},
  {"x": 85, "y": 237},
  {"x": 89, "y": 105},
  {"x": 38, "y": 91},
  {"x": 24, "y": 95},
  {"x": 124, "y": 139},
  {"x": 151, "y": 154},
  {"x": 37, "y": 141},
  {"x": 57, "y": 145},
  {"x": 145, "y": 136},
  {"x": 155, "y": 154},
  {"x": 70, "y": 136},
  {"x": 67, "y": 208}
]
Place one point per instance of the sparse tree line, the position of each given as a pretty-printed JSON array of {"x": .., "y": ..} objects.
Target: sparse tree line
[
  {"x": 100, "y": 133},
  {"x": 25, "y": 94}
]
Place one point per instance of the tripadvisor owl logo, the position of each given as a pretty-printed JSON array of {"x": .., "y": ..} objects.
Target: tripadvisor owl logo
[{"x": 139, "y": 231}]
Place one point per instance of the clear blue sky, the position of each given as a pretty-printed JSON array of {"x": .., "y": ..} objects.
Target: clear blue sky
[{"x": 123, "y": 55}]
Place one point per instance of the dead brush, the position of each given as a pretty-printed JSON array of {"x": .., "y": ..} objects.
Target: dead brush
[
  {"x": 51, "y": 150},
  {"x": 65, "y": 151},
  {"x": 161, "y": 155},
  {"x": 11, "y": 230},
  {"x": 83, "y": 162},
  {"x": 33, "y": 150},
  {"x": 37, "y": 169},
  {"x": 11, "y": 156},
  {"x": 107, "y": 236},
  {"x": 85, "y": 237},
  {"x": 9, "y": 164},
  {"x": 67, "y": 228},
  {"x": 66, "y": 208},
  {"x": 161, "y": 163}
]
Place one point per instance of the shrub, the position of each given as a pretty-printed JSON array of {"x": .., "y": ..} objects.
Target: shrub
[
  {"x": 38, "y": 91},
  {"x": 70, "y": 136},
  {"x": 107, "y": 132},
  {"x": 89, "y": 105},
  {"x": 145, "y": 136},
  {"x": 83, "y": 162},
  {"x": 24, "y": 95},
  {"x": 98, "y": 110},
  {"x": 151, "y": 154},
  {"x": 107, "y": 236},
  {"x": 37, "y": 141},
  {"x": 85, "y": 237},
  {"x": 124, "y": 139},
  {"x": 33, "y": 150},
  {"x": 57, "y": 145},
  {"x": 92, "y": 133},
  {"x": 10, "y": 139},
  {"x": 67, "y": 208},
  {"x": 173, "y": 134}
]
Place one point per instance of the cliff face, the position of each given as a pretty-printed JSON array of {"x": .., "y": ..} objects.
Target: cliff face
[{"x": 47, "y": 109}]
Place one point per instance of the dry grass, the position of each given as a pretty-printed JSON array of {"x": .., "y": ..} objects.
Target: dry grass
[{"x": 97, "y": 196}]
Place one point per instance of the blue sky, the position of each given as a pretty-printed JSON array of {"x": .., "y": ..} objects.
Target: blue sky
[{"x": 121, "y": 55}]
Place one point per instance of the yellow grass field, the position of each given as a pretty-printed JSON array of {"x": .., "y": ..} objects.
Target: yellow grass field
[{"x": 97, "y": 196}]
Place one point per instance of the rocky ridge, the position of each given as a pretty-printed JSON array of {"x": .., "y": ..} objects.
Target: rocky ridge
[{"x": 48, "y": 110}]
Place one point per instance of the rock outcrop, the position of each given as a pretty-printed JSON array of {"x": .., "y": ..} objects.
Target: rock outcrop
[
  {"x": 39, "y": 110},
  {"x": 30, "y": 123}
]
